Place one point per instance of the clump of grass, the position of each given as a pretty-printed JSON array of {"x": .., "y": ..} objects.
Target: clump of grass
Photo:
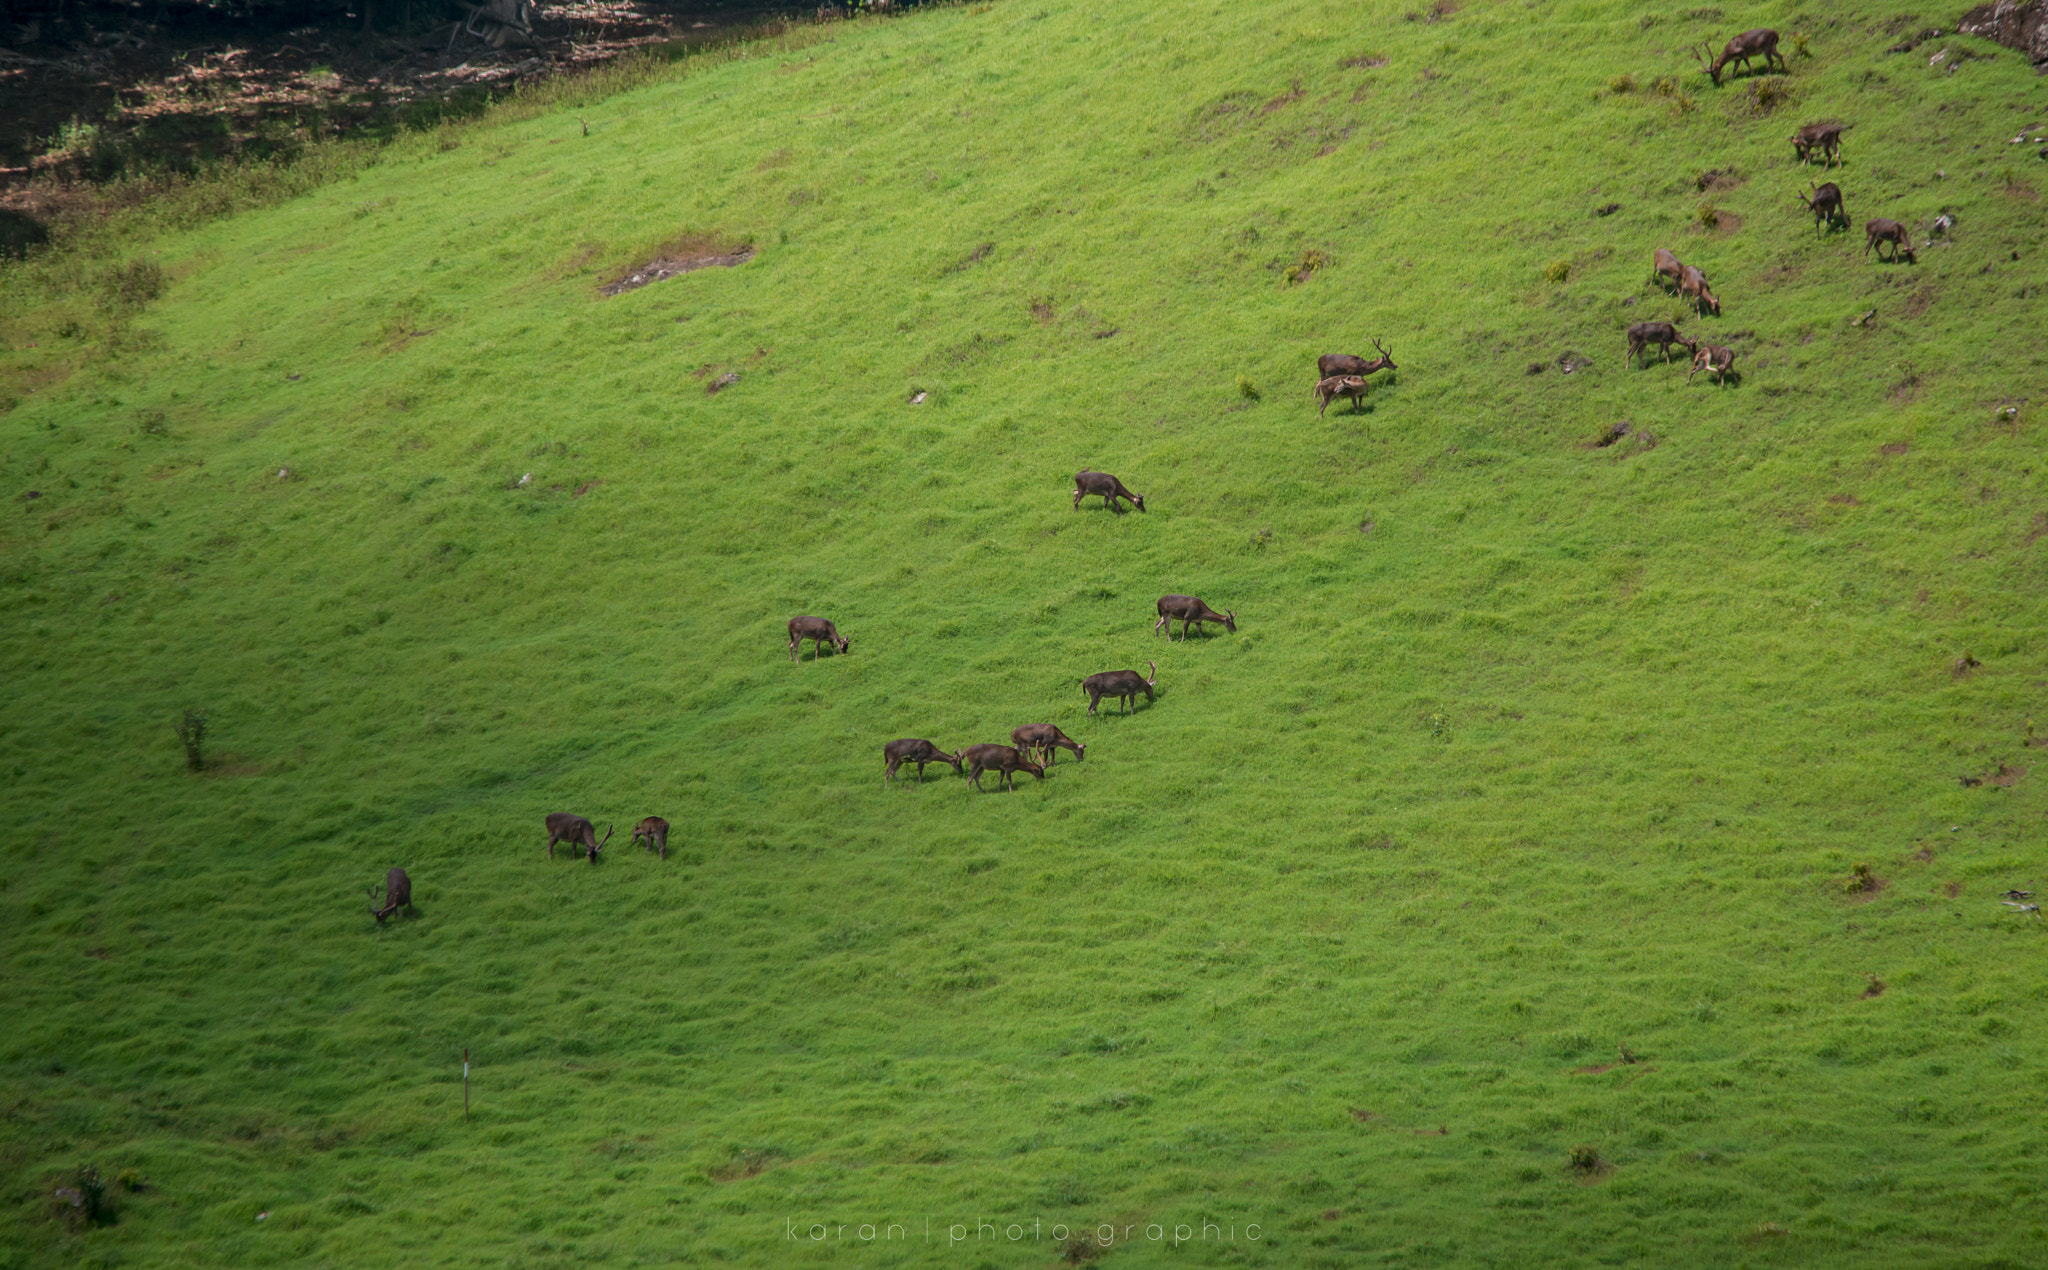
[
  {"x": 1860, "y": 880},
  {"x": 1557, "y": 270},
  {"x": 152, "y": 423},
  {"x": 1439, "y": 724},
  {"x": 1665, "y": 86},
  {"x": 132, "y": 285},
  {"x": 1767, "y": 95},
  {"x": 192, "y": 735},
  {"x": 1621, "y": 84},
  {"x": 1707, "y": 215},
  {"x": 1246, "y": 388},
  {"x": 1302, "y": 270},
  {"x": 1800, "y": 44},
  {"x": 1585, "y": 1161}
]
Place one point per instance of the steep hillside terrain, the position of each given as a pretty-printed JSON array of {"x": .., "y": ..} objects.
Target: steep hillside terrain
[{"x": 1589, "y": 846}]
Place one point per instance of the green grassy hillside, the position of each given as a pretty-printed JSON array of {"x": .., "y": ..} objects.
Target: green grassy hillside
[{"x": 1529, "y": 756}]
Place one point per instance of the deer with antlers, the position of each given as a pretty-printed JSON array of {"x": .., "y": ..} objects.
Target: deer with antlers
[
  {"x": 1346, "y": 364},
  {"x": 1122, "y": 684},
  {"x": 1758, "y": 43},
  {"x": 579, "y": 833},
  {"x": 397, "y": 895},
  {"x": 998, "y": 758},
  {"x": 1826, "y": 206},
  {"x": 1046, "y": 740},
  {"x": 1186, "y": 610}
]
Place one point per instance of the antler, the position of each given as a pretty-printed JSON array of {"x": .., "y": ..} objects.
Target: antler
[
  {"x": 1154, "y": 668},
  {"x": 1383, "y": 351}
]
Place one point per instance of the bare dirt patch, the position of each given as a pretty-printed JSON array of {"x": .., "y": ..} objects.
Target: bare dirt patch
[
  {"x": 1294, "y": 93},
  {"x": 2005, "y": 777},
  {"x": 1043, "y": 311},
  {"x": 1719, "y": 179},
  {"x": 746, "y": 1164},
  {"x": 683, "y": 255},
  {"x": 1917, "y": 303},
  {"x": 2040, "y": 529},
  {"x": 1894, "y": 448},
  {"x": 1362, "y": 1116},
  {"x": 1363, "y": 62},
  {"x": 1845, "y": 500},
  {"x": 1876, "y": 988},
  {"x": 1953, "y": 889},
  {"x": 1963, "y": 665}
]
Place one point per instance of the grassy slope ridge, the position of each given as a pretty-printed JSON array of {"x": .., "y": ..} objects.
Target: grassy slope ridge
[{"x": 1568, "y": 753}]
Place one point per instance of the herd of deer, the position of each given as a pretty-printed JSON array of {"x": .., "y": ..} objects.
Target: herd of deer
[
  {"x": 1821, "y": 140},
  {"x": 1337, "y": 375}
]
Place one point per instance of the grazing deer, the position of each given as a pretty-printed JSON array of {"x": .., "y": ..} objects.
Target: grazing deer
[
  {"x": 1889, "y": 231},
  {"x": 1187, "y": 609},
  {"x": 1758, "y": 43},
  {"x": 1715, "y": 358},
  {"x": 820, "y": 632},
  {"x": 1327, "y": 390},
  {"x": 653, "y": 831},
  {"x": 577, "y": 832},
  {"x": 1124, "y": 684},
  {"x": 1824, "y": 137},
  {"x": 1643, "y": 334},
  {"x": 1666, "y": 265},
  {"x": 1331, "y": 364},
  {"x": 1826, "y": 206},
  {"x": 998, "y": 758},
  {"x": 910, "y": 750},
  {"x": 1693, "y": 282},
  {"x": 1046, "y": 739},
  {"x": 397, "y": 895},
  {"x": 1110, "y": 488}
]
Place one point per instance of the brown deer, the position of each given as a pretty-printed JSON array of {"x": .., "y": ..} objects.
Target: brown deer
[
  {"x": 1643, "y": 334},
  {"x": 1046, "y": 739},
  {"x": 1327, "y": 390},
  {"x": 1330, "y": 364},
  {"x": 397, "y": 895},
  {"x": 653, "y": 831},
  {"x": 1823, "y": 137},
  {"x": 577, "y": 832},
  {"x": 910, "y": 750},
  {"x": 1715, "y": 358},
  {"x": 1826, "y": 206},
  {"x": 1667, "y": 265},
  {"x": 1123, "y": 684},
  {"x": 820, "y": 632},
  {"x": 1693, "y": 282},
  {"x": 1110, "y": 488},
  {"x": 998, "y": 758},
  {"x": 1889, "y": 231},
  {"x": 1186, "y": 609},
  {"x": 1758, "y": 43}
]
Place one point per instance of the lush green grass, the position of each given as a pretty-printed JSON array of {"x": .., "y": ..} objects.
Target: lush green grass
[{"x": 1569, "y": 753}]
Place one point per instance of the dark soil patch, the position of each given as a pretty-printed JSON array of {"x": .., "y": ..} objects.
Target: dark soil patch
[
  {"x": 1953, "y": 889},
  {"x": 686, "y": 256},
  {"x": 584, "y": 488},
  {"x": 1362, "y": 1116},
  {"x": 1366, "y": 526},
  {"x": 1571, "y": 361},
  {"x": 1963, "y": 665},
  {"x": 1043, "y": 311},
  {"x": 2040, "y": 529},
  {"x": 1894, "y": 448},
  {"x": 1294, "y": 94},
  {"x": 1726, "y": 223},
  {"x": 1435, "y": 13},
  {"x": 1608, "y": 210},
  {"x": 973, "y": 258},
  {"x": 1924, "y": 854},
  {"x": 1363, "y": 62},
  {"x": 720, "y": 384},
  {"x": 1845, "y": 500},
  {"x": 2004, "y": 778},
  {"x": 1718, "y": 179},
  {"x": 746, "y": 1164},
  {"x": 1917, "y": 303},
  {"x": 1876, "y": 988}
]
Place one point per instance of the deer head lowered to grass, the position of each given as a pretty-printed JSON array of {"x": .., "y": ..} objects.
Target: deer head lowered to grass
[
  {"x": 1187, "y": 610},
  {"x": 397, "y": 894},
  {"x": 1761, "y": 42},
  {"x": 1122, "y": 684},
  {"x": 577, "y": 832}
]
